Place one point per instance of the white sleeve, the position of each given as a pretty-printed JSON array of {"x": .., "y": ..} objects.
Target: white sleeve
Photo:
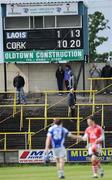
[
  {"x": 85, "y": 137},
  {"x": 69, "y": 134},
  {"x": 49, "y": 132},
  {"x": 66, "y": 132}
]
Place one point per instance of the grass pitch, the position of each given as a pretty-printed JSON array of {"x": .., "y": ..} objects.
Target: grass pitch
[{"x": 72, "y": 172}]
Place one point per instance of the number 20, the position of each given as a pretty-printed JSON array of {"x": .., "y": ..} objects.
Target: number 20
[{"x": 74, "y": 43}]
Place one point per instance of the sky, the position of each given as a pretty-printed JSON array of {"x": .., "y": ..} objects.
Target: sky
[{"x": 104, "y": 6}]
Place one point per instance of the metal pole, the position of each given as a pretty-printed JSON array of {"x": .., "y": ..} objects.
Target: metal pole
[
  {"x": 5, "y": 77},
  {"x": 102, "y": 119},
  {"x": 26, "y": 142},
  {"x": 83, "y": 77},
  {"x": 78, "y": 76},
  {"x": 93, "y": 106},
  {"x": 14, "y": 105},
  {"x": 91, "y": 88},
  {"x": 104, "y": 137},
  {"x": 29, "y": 133},
  {"x": 5, "y": 80},
  {"x": 78, "y": 121},
  {"x": 5, "y": 65},
  {"x": 45, "y": 113},
  {"x": 5, "y": 142},
  {"x": 21, "y": 119}
]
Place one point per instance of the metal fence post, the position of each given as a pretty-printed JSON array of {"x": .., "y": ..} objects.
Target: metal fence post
[
  {"x": 78, "y": 121},
  {"x": 93, "y": 106},
  {"x": 29, "y": 133},
  {"x": 14, "y": 105},
  {"x": 45, "y": 112},
  {"x": 26, "y": 142},
  {"x": 91, "y": 87},
  {"x": 102, "y": 118},
  {"x": 5, "y": 142},
  {"x": 21, "y": 119}
]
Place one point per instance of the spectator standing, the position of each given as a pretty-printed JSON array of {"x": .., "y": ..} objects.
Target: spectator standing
[
  {"x": 95, "y": 72},
  {"x": 72, "y": 81},
  {"x": 107, "y": 73},
  {"x": 60, "y": 78},
  {"x": 18, "y": 83},
  {"x": 71, "y": 102},
  {"x": 67, "y": 76}
]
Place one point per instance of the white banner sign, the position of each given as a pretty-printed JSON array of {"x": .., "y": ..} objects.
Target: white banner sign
[
  {"x": 42, "y": 9},
  {"x": 33, "y": 156}
]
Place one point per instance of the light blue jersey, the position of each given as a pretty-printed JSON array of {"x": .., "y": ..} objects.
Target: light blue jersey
[{"x": 58, "y": 134}]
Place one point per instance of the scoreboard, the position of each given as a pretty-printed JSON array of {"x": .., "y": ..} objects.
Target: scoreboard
[
  {"x": 43, "y": 39},
  {"x": 45, "y": 32}
]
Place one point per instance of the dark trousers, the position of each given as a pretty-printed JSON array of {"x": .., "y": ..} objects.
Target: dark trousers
[
  {"x": 60, "y": 84},
  {"x": 108, "y": 82},
  {"x": 72, "y": 111},
  {"x": 95, "y": 85},
  {"x": 67, "y": 85}
]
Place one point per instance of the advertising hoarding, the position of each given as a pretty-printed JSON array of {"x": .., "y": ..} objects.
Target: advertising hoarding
[
  {"x": 73, "y": 155},
  {"x": 81, "y": 155},
  {"x": 44, "y": 56}
]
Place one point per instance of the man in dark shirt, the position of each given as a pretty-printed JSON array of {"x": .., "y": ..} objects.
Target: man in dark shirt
[
  {"x": 71, "y": 102},
  {"x": 19, "y": 83},
  {"x": 60, "y": 78}
]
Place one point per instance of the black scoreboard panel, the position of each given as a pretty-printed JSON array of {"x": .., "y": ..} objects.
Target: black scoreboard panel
[{"x": 43, "y": 39}]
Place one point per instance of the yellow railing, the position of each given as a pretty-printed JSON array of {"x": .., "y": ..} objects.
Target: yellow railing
[
  {"x": 14, "y": 100},
  {"x": 79, "y": 119},
  {"x": 45, "y": 105},
  {"x": 13, "y": 133},
  {"x": 30, "y": 119},
  {"x": 97, "y": 79},
  {"x": 93, "y": 112},
  {"x": 22, "y": 110}
]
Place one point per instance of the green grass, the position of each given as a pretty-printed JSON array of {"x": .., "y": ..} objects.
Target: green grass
[{"x": 72, "y": 172}]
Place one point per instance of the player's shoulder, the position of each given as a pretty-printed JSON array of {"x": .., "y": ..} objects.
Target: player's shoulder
[
  {"x": 52, "y": 128},
  {"x": 87, "y": 129},
  {"x": 65, "y": 129},
  {"x": 98, "y": 127}
]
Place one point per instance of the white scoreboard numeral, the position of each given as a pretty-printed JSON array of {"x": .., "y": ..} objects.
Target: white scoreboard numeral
[
  {"x": 62, "y": 44},
  {"x": 77, "y": 33},
  {"x": 59, "y": 44},
  {"x": 78, "y": 43},
  {"x": 72, "y": 43},
  {"x": 72, "y": 33},
  {"x": 58, "y": 34},
  {"x": 75, "y": 43}
]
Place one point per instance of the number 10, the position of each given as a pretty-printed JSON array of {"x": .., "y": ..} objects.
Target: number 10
[{"x": 63, "y": 44}]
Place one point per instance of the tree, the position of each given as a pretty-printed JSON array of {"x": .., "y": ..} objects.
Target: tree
[
  {"x": 102, "y": 57},
  {"x": 97, "y": 23},
  {"x": 110, "y": 53}
]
